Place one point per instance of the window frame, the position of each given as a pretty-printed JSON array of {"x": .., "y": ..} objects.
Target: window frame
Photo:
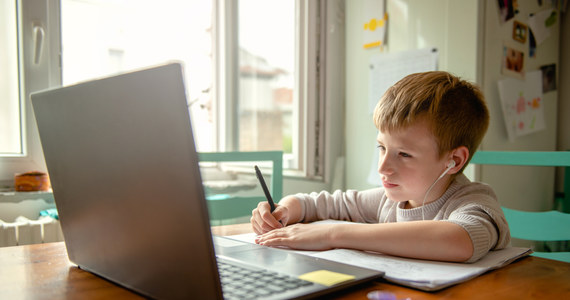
[
  {"x": 44, "y": 17},
  {"x": 308, "y": 150}
]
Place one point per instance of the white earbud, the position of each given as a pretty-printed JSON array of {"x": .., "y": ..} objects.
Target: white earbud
[{"x": 450, "y": 165}]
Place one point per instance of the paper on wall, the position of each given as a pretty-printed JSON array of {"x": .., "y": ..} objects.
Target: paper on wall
[
  {"x": 388, "y": 68},
  {"x": 522, "y": 104},
  {"x": 539, "y": 24}
]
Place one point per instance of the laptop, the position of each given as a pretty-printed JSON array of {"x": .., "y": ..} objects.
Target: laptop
[{"x": 126, "y": 181}]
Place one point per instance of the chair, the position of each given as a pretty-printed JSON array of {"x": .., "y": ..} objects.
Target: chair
[
  {"x": 224, "y": 207},
  {"x": 545, "y": 226}
]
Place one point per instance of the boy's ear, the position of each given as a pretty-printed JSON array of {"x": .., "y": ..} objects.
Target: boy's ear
[{"x": 459, "y": 155}]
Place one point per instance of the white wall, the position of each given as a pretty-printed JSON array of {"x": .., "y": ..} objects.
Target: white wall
[
  {"x": 448, "y": 25},
  {"x": 526, "y": 188},
  {"x": 564, "y": 90}
]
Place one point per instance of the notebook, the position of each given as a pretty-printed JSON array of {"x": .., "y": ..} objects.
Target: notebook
[{"x": 126, "y": 181}]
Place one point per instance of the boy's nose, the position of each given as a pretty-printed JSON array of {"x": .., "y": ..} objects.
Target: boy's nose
[{"x": 384, "y": 166}]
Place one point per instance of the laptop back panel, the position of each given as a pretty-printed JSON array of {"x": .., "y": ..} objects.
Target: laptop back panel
[
  {"x": 127, "y": 186},
  {"x": 148, "y": 232}
]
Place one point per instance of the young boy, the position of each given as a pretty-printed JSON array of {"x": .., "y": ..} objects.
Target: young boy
[{"x": 430, "y": 125}]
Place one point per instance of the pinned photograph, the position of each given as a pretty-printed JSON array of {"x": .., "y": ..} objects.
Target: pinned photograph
[
  {"x": 513, "y": 62},
  {"x": 548, "y": 78},
  {"x": 520, "y": 32},
  {"x": 506, "y": 10}
]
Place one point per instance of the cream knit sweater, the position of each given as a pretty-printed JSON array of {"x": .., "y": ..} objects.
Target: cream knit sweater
[{"x": 471, "y": 205}]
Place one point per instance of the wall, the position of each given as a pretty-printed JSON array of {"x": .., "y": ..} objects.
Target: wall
[
  {"x": 449, "y": 25},
  {"x": 563, "y": 142},
  {"x": 526, "y": 188}
]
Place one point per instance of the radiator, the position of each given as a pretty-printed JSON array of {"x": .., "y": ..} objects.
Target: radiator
[
  {"x": 24, "y": 231},
  {"x": 21, "y": 222}
]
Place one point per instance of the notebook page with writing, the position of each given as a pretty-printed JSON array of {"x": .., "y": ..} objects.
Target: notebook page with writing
[{"x": 421, "y": 274}]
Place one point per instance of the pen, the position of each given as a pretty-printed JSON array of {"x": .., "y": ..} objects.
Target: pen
[{"x": 265, "y": 190}]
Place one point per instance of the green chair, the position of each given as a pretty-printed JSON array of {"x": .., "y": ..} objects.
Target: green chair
[
  {"x": 226, "y": 207},
  {"x": 546, "y": 226},
  {"x": 540, "y": 226}
]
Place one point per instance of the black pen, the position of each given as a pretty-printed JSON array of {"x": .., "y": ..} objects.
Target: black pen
[{"x": 265, "y": 190}]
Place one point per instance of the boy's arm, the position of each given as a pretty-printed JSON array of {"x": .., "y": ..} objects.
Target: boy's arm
[{"x": 433, "y": 240}]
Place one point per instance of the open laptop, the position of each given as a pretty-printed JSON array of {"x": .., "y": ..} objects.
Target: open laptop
[{"x": 126, "y": 181}]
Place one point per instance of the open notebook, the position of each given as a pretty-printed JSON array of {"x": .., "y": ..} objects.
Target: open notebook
[{"x": 421, "y": 274}]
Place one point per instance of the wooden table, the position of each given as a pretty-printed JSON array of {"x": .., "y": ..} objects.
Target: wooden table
[{"x": 43, "y": 271}]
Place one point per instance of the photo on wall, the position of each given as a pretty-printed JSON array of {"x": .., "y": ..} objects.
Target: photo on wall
[
  {"x": 513, "y": 61},
  {"x": 548, "y": 78},
  {"x": 520, "y": 32}
]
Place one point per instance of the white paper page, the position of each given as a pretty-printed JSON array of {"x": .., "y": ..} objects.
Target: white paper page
[
  {"x": 537, "y": 23},
  {"x": 388, "y": 68},
  {"x": 422, "y": 274}
]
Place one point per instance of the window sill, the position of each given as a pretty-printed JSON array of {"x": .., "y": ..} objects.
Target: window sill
[{"x": 15, "y": 197}]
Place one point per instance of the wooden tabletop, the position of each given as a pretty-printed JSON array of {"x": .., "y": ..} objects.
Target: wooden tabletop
[{"x": 43, "y": 271}]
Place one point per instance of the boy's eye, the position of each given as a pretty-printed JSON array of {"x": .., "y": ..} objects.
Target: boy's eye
[
  {"x": 404, "y": 154},
  {"x": 382, "y": 148}
]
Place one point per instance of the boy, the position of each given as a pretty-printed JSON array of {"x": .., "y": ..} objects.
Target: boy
[{"x": 430, "y": 125}]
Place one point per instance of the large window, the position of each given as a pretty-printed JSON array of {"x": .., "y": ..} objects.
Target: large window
[
  {"x": 251, "y": 66},
  {"x": 10, "y": 105},
  {"x": 28, "y": 62},
  {"x": 102, "y": 37},
  {"x": 266, "y": 31}
]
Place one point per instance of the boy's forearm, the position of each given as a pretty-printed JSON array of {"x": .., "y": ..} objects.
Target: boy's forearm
[{"x": 433, "y": 240}]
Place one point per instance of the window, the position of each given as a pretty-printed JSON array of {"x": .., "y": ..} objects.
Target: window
[
  {"x": 10, "y": 110},
  {"x": 268, "y": 80},
  {"x": 101, "y": 37},
  {"x": 266, "y": 71},
  {"x": 29, "y": 62},
  {"x": 252, "y": 66}
]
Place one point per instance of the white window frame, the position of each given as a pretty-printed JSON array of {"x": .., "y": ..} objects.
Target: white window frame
[
  {"x": 39, "y": 68},
  {"x": 309, "y": 154}
]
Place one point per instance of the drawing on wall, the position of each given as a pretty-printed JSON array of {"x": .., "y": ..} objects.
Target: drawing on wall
[
  {"x": 375, "y": 25},
  {"x": 513, "y": 61},
  {"x": 522, "y": 104}
]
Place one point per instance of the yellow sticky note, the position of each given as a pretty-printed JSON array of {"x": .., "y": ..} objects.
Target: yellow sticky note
[{"x": 325, "y": 277}]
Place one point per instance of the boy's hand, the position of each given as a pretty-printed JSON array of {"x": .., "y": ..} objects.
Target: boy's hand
[
  {"x": 299, "y": 236},
  {"x": 262, "y": 220}
]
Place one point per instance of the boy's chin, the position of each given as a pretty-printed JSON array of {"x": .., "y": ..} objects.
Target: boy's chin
[{"x": 396, "y": 198}]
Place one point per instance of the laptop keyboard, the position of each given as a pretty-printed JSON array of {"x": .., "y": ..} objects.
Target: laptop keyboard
[{"x": 247, "y": 283}]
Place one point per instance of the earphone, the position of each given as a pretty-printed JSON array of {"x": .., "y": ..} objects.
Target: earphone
[{"x": 450, "y": 165}]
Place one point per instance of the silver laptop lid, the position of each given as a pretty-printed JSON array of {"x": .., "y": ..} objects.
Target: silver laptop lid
[{"x": 124, "y": 198}]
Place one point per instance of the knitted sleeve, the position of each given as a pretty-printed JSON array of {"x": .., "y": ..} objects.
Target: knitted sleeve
[
  {"x": 481, "y": 216},
  {"x": 355, "y": 206}
]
